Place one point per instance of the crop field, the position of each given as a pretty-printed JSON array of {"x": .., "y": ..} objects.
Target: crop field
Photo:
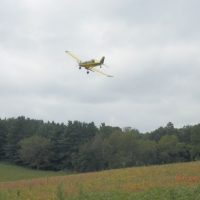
[{"x": 167, "y": 182}]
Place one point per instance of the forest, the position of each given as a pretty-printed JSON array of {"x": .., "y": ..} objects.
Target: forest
[{"x": 81, "y": 147}]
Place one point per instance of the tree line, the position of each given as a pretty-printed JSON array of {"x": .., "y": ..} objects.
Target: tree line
[{"x": 79, "y": 146}]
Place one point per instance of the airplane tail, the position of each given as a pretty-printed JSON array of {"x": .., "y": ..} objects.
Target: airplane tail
[{"x": 102, "y": 60}]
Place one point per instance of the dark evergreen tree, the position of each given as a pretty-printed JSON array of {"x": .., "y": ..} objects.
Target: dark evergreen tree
[
  {"x": 3, "y": 139},
  {"x": 195, "y": 142}
]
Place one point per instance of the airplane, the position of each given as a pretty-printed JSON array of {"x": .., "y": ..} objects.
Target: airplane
[{"x": 90, "y": 65}]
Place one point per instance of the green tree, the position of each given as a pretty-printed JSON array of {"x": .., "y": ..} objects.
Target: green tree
[
  {"x": 147, "y": 152},
  {"x": 91, "y": 156},
  {"x": 195, "y": 142},
  {"x": 106, "y": 131},
  {"x": 3, "y": 137},
  {"x": 184, "y": 134},
  {"x": 121, "y": 150},
  {"x": 16, "y": 132},
  {"x": 170, "y": 149},
  {"x": 67, "y": 145},
  {"x": 157, "y": 134},
  {"x": 35, "y": 152}
]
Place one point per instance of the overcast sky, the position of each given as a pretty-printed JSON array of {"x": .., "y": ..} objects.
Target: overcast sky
[{"x": 152, "y": 48}]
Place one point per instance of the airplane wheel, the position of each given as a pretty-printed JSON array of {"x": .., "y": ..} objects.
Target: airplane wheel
[
  {"x": 87, "y": 72},
  {"x": 79, "y": 67}
]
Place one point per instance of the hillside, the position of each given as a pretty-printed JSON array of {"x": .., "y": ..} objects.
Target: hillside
[
  {"x": 13, "y": 173},
  {"x": 174, "y": 181}
]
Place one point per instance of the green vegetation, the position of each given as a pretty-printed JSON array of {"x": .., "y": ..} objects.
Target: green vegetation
[
  {"x": 178, "y": 193},
  {"x": 166, "y": 182},
  {"x": 182, "y": 193},
  {"x": 83, "y": 147},
  {"x": 12, "y": 173}
]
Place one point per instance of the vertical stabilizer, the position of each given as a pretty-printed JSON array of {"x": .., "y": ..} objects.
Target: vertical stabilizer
[{"x": 102, "y": 60}]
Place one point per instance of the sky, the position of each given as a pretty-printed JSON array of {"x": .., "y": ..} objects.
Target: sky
[{"x": 152, "y": 49}]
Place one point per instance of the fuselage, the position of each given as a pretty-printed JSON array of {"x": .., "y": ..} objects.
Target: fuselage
[{"x": 89, "y": 64}]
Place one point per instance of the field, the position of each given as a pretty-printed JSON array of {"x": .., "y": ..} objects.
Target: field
[
  {"x": 175, "y": 181},
  {"x": 13, "y": 173}
]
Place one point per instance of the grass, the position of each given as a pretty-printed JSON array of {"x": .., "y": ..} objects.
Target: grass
[
  {"x": 178, "y": 193},
  {"x": 167, "y": 182},
  {"x": 10, "y": 172}
]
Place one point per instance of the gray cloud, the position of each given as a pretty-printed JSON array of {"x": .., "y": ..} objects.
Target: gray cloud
[{"x": 152, "y": 48}]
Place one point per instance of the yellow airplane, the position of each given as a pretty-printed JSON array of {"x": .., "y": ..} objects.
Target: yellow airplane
[{"x": 90, "y": 65}]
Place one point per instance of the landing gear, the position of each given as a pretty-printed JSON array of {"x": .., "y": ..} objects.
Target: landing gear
[
  {"x": 87, "y": 72},
  {"x": 79, "y": 67}
]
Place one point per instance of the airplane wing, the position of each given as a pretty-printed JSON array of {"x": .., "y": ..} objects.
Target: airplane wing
[
  {"x": 73, "y": 56},
  {"x": 100, "y": 72}
]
